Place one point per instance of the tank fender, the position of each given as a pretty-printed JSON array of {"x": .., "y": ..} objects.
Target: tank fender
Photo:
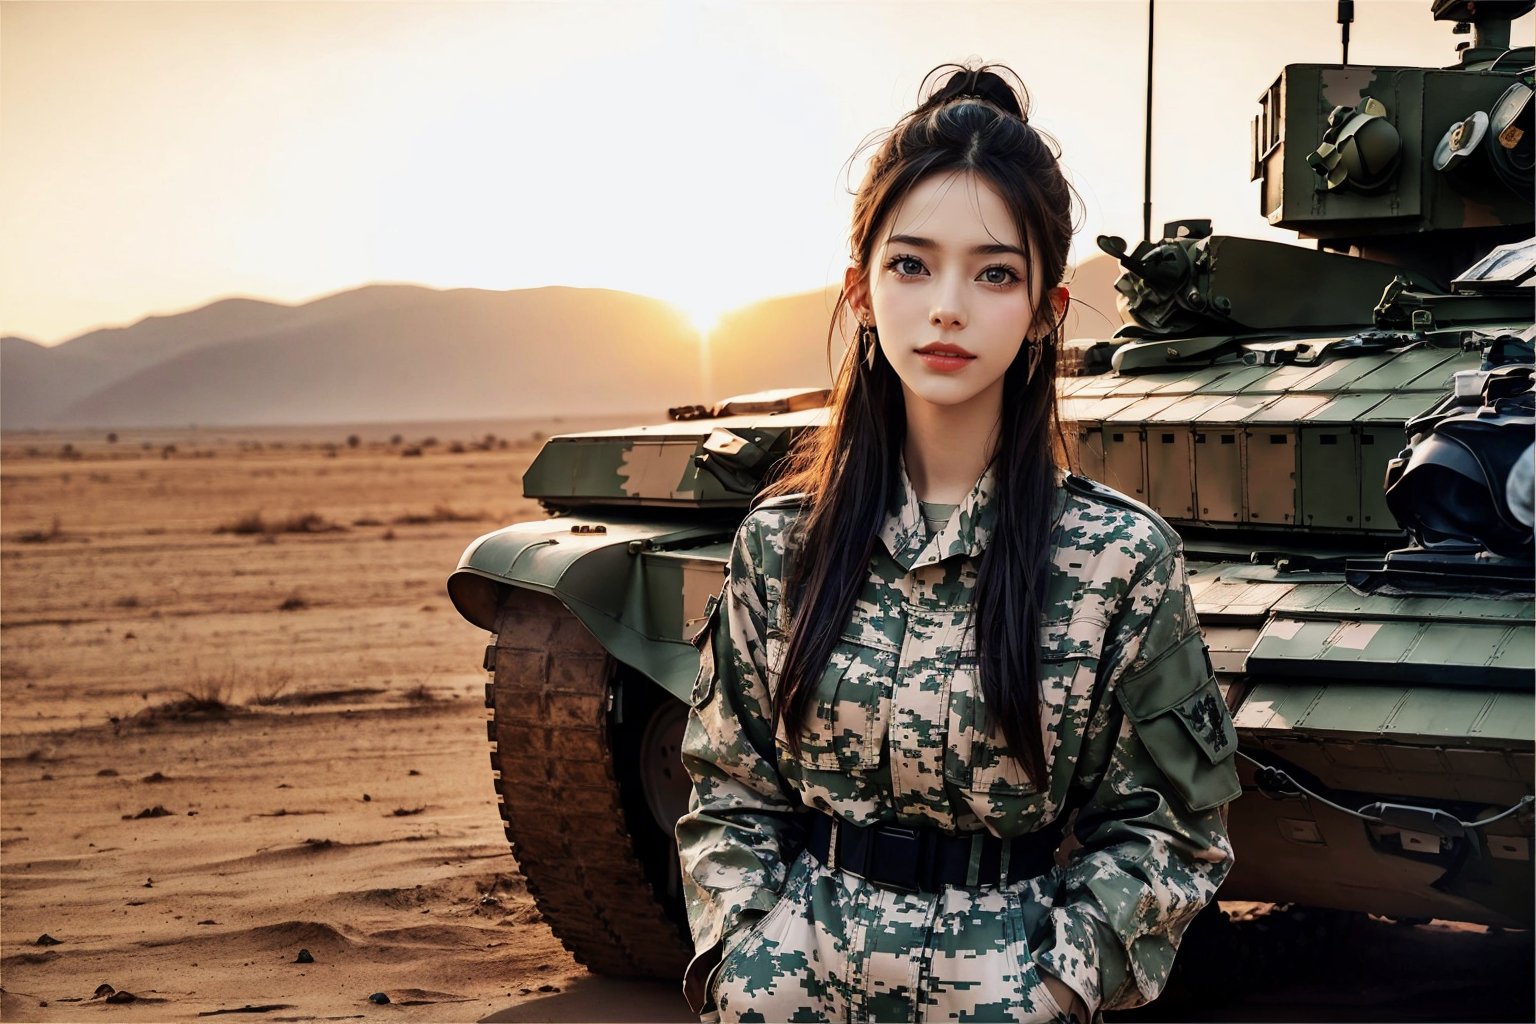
[{"x": 640, "y": 587}]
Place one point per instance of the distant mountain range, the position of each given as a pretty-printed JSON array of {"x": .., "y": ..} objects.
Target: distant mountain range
[{"x": 386, "y": 353}]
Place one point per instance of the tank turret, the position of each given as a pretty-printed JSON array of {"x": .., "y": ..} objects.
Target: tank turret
[
  {"x": 1256, "y": 378},
  {"x": 1421, "y": 168}
]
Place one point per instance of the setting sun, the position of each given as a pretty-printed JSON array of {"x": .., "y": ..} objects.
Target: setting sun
[{"x": 705, "y": 318}]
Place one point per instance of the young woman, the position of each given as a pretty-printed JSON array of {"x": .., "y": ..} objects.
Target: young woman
[{"x": 956, "y": 746}]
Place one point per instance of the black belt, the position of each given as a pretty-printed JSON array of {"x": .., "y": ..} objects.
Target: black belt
[{"x": 925, "y": 859}]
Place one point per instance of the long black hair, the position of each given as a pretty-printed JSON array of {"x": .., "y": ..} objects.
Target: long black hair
[{"x": 976, "y": 121}]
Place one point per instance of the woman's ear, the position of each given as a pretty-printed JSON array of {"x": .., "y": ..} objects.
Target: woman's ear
[
  {"x": 856, "y": 290},
  {"x": 1059, "y": 297}
]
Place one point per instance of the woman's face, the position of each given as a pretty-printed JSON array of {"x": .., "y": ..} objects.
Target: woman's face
[{"x": 950, "y": 291}]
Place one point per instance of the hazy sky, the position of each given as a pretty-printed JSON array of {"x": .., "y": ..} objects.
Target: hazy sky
[{"x": 156, "y": 156}]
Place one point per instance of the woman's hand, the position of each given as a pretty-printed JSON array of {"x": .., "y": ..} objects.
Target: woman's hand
[{"x": 1065, "y": 998}]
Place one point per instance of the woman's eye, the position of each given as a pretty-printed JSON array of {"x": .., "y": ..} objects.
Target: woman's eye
[
  {"x": 999, "y": 275},
  {"x": 907, "y": 266}
]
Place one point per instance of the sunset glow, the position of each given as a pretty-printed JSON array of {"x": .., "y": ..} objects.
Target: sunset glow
[{"x": 156, "y": 156}]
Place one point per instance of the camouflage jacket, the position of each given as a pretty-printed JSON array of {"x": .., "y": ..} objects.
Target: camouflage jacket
[{"x": 1137, "y": 736}]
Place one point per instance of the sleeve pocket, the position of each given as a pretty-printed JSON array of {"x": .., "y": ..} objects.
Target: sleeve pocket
[
  {"x": 1178, "y": 712},
  {"x": 704, "y": 682}
]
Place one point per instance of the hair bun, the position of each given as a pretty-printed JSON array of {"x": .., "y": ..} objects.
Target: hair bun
[{"x": 983, "y": 85}]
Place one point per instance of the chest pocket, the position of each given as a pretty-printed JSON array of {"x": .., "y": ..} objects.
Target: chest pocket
[
  {"x": 849, "y": 716},
  {"x": 978, "y": 758}
]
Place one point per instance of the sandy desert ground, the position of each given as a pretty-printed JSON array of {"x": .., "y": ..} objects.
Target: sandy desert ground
[{"x": 241, "y": 720}]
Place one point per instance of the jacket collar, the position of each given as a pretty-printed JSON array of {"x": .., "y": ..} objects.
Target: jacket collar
[{"x": 905, "y": 535}]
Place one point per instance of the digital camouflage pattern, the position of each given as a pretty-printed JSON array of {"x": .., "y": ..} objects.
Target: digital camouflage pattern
[{"x": 1138, "y": 742}]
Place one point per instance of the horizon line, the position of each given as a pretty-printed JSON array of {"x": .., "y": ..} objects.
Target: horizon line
[{"x": 345, "y": 289}]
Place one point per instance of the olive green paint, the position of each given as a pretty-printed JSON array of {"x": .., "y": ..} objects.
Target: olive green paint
[{"x": 632, "y": 601}]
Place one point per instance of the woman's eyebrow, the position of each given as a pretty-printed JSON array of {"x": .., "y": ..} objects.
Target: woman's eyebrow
[{"x": 995, "y": 249}]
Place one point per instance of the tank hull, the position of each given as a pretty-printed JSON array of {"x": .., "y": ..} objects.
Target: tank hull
[{"x": 1380, "y": 728}]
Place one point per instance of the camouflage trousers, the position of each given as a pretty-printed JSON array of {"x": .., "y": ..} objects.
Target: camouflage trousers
[{"x": 839, "y": 948}]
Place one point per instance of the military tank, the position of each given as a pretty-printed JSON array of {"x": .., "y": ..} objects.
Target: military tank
[{"x": 1341, "y": 435}]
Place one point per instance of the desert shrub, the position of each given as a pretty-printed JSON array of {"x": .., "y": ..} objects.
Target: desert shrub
[
  {"x": 353, "y": 440},
  {"x": 412, "y": 452},
  {"x": 293, "y": 603}
]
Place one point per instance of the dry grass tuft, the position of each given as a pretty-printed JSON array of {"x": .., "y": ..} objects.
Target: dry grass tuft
[
  {"x": 439, "y": 514},
  {"x": 270, "y": 689},
  {"x": 309, "y": 522},
  {"x": 250, "y": 523},
  {"x": 306, "y": 698},
  {"x": 254, "y": 523},
  {"x": 421, "y": 693},
  {"x": 210, "y": 699},
  {"x": 215, "y": 696},
  {"x": 54, "y": 532}
]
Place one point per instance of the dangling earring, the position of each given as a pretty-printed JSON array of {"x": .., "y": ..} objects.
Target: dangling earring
[
  {"x": 1036, "y": 346},
  {"x": 871, "y": 341}
]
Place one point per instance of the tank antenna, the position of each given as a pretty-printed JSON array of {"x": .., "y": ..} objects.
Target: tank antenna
[
  {"x": 1346, "y": 15},
  {"x": 1146, "y": 185}
]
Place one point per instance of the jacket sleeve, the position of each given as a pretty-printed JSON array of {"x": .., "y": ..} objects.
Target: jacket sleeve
[
  {"x": 1153, "y": 833},
  {"x": 734, "y": 839}
]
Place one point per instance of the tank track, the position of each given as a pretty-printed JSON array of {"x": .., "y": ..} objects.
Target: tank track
[{"x": 559, "y": 796}]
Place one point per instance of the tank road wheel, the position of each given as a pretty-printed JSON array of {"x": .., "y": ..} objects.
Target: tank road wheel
[{"x": 572, "y": 795}]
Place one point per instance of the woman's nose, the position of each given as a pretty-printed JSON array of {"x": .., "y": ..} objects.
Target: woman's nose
[{"x": 948, "y": 311}]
